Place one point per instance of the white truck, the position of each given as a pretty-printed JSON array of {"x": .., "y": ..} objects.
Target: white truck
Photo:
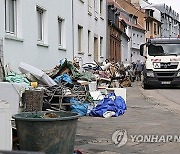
[{"x": 162, "y": 62}]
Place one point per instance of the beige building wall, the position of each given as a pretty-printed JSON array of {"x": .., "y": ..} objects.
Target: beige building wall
[{"x": 154, "y": 28}]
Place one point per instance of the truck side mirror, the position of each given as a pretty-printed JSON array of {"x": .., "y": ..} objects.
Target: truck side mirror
[{"x": 142, "y": 49}]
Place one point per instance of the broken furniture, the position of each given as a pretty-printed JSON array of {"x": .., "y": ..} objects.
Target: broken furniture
[{"x": 61, "y": 92}]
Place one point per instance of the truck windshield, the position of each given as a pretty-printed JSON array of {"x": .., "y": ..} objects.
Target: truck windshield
[{"x": 164, "y": 49}]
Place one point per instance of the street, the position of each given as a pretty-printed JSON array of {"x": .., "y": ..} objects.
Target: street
[
  {"x": 171, "y": 94},
  {"x": 166, "y": 97},
  {"x": 152, "y": 113}
]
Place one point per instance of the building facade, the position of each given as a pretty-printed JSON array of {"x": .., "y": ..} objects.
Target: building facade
[
  {"x": 138, "y": 38},
  {"x": 170, "y": 21},
  {"x": 153, "y": 25},
  {"x": 114, "y": 34},
  {"x": 124, "y": 40},
  {"x": 36, "y": 32},
  {"x": 134, "y": 18},
  {"x": 152, "y": 18},
  {"x": 41, "y": 33},
  {"x": 90, "y": 28}
]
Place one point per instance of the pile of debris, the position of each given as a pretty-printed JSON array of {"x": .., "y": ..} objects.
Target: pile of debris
[{"x": 68, "y": 86}]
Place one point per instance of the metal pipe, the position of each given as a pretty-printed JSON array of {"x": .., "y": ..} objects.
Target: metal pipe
[{"x": 73, "y": 28}]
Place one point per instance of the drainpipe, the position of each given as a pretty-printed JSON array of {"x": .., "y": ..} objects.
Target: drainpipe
[
  {"x": 73, "y": 28},
  {"x": 107, "y": 33}
]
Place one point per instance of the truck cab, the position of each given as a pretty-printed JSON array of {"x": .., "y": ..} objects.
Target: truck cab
[{"x": 162, "y": 62}]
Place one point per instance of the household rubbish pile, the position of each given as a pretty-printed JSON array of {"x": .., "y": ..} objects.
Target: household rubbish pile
[
  {"x": 70, "y": 87},
  {"x": 90, "y": 89}
]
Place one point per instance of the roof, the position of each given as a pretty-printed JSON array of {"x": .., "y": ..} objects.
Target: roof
[{"x": 138, "y": 26}]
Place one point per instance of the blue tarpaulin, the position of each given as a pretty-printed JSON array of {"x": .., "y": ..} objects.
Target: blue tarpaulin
[
  {"x": 66, "y": 78},
  {"x": 79, "y": 107},
  {"x": 111, "y": 102}
]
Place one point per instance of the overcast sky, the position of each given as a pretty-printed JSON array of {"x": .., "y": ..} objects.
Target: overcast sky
[{"x": 175, "y": 4}]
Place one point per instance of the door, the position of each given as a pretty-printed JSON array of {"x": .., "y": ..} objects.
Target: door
[{"x": 96, "y": 49}]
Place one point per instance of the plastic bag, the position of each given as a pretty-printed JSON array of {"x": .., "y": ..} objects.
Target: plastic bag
[{"x": 78, "y": 107}]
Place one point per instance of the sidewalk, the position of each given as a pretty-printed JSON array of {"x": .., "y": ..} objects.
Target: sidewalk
[{"x": 143, "y": 117}]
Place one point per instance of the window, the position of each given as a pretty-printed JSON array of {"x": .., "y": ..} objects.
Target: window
[
  {"x": 11, "y": 16},
  {"x": 40, "y": 15},
  {"x": 155, "y": 28},
  {"x": 101, "y": 46},
  {"x": 89, "y": 39},
  {"x": 101, "y": 8},
  {"x": 134, "y": 20},
  {"x": 61, "y": 30},
  {"x": 95, "y": 10},
  {"x": 151, "y": 13},
  {"x": 159, "y": 29},
  {"x": 80, "y": 29},
  {"x": 89, "y": 2},
  {"x": 95, "y": 5},
  {"x": 147, "y": 26},
  {"x": 170, "y": 29}
]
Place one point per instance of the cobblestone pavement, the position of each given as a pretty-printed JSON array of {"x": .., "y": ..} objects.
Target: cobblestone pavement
[{"x": 144, "y": 117}]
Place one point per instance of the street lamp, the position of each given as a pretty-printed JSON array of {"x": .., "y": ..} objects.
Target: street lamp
[{"x": 131, "y": 19}]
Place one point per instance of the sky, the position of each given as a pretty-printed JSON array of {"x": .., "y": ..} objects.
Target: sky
[{"x": 175, "y": 4}]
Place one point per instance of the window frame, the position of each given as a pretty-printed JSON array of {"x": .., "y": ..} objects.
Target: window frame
[
  {"x": 155, "y": 28},
  {"x": 101, "y": 46},
  {"x": 95, "y": 6},
  {"x": 89, "y": 41},
  {"x": 60, "y": 31},
  {"x": 80, "y": 31},
  {"x": 147, "y": 26},
  {"x": 13, "y": 16},
  {"x": 40, "y": 21},
  {"x": 101, "y": 8}
]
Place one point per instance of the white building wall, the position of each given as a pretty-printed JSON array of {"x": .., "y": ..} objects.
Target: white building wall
[
  {"x": 138, "y": 38},
  {"x": 24, "y": 47},
  {"x": 170, "y": 21},
  {"x": 97, "y": 27},
  {"x": 124, "y": 49}
]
